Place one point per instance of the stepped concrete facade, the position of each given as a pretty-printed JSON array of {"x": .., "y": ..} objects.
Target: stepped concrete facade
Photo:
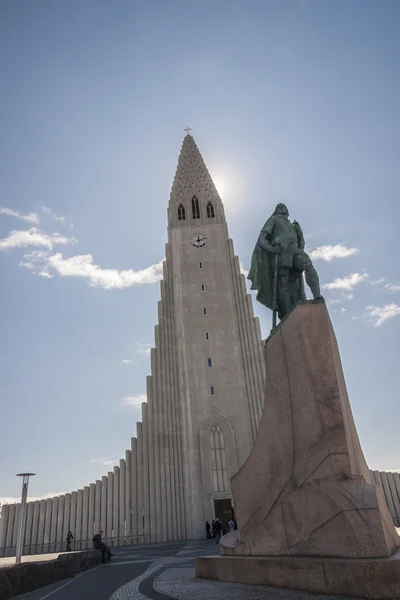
[{"x": 204, "y": 397}]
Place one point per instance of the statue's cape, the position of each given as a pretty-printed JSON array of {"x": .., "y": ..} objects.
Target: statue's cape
[{"x": 261, "y": 275}]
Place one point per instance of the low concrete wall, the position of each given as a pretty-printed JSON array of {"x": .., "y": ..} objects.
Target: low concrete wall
[{"x": 26, "y": 577}]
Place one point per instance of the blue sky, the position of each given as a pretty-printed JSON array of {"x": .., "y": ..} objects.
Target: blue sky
[{"x": 294, "y": 101}]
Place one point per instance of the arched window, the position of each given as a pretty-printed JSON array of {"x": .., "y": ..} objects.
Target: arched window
[
  {"x": 181, "y": 213},
  {"x": 219, "y": 468},
  {"x": 210, "y": 210},
  {"x": 195, "y": 208}
]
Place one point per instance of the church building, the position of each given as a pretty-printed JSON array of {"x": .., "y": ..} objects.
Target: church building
[{"x": 204, "y": 395}]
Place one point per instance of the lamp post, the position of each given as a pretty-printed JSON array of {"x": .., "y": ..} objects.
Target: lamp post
[{"x": 20, "y": 537}]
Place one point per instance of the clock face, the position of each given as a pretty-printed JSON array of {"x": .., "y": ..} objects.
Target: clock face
[{"x": 198, "y": 240}]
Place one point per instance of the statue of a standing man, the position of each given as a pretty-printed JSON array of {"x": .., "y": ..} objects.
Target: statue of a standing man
[{"x": 279, "y": 261}]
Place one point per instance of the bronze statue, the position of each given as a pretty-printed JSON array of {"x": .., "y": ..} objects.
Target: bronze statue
[{"x": 278, "y": 263}]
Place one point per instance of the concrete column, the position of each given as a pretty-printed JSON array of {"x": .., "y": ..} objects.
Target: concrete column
[
  {"x": 26, "y": 543},
  {"x": 47, "y": 525},
  {"x": 10, "y": 551},
  {"x": 35, "y": 527},
  {"x": 16, "y": 526},
  {"x": 146, "y": 498},
  {"x": 67, "y": 520},
  {"x": 85, "y": 511},
  {"x": 91, "y": 531},
  {"x": 150, "y": 459},
  {"x": 128, "y": 507},
  {"x": 388, "y": 495},
  {"x": 53, "y": 524},
  {"x": 165, "y": 431},
  {"x": 78, "y": 520},
  {"x": 110, "y": 495},
  {"x": 116, "y": 507},
  {"x": 60, "y": 523},
  {"x": 97, "y": 507},
  {"x": 160, "y": 348},
  {"x": 395, "y": 498},
  {"x": 42, "y": 518},
  {"x": 103, "y": 511},
  {"x": 156, "y": 431},
  {"x": 170, "y": 432},
  {"x": 121, "y": 525},
  {"x": 139, "y": 432},
  {"x": 5, "y": 513},
  {"x": 396, "y": 479},
  {"x": 134, "y": 507},
  {"x": 72, "y": 519}
]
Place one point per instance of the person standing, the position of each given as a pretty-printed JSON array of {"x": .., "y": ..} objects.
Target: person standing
[
  {"x": 70, "y": 537},
  {"x": 218, "y": 528},
  {"x": 208, "y": 527},
  {"x": 213, "y": 529}
]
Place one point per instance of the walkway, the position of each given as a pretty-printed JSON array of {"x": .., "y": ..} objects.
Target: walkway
[{"x": 159, "y": 572}]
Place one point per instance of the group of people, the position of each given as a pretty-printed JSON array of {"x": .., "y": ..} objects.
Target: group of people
[
  {"x": 219, "y": 528},
  {"x": 98, "y": 544}
]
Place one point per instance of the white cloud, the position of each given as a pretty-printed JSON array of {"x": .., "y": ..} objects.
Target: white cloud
[
  {"x": 83, "y": 266},
  {"x": 143, "y": 349},
  {"x": 52, "y": 214},
  {"x": 33, "y": 237},
  {"x": 126, "y": 361},
  {"x": 329, "y": 253},
  {"x": 383, "y": 313},
  {"x": 104, "y": 460},
  {"x": 243, "y": 270},
  {"x": 29, "y": 218},
  {"x": 14, "y": 499},
  {"x": 377, "y": 281},
  {"x": 393, "y": 287},
  {"x": 346, "y": 283},
  {"x": 342, "y": 310},
  {"x": 135, "y": 400}
]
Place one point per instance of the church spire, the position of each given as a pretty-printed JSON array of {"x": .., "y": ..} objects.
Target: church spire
[{"x": 194, "y": 199}]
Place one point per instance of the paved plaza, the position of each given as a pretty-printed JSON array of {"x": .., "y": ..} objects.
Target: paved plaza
[{"x": 158, "y": 572}]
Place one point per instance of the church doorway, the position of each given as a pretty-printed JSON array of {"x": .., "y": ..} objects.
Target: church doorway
[{"x": 223, "y": 510}]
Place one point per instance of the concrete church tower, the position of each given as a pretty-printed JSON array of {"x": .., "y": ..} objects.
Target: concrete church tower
[
  {"x": 204, "y": 396},
  {"x": 217, "y": 345}
]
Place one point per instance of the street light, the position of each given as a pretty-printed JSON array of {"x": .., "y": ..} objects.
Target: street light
[{"x": 20, "y": 537}]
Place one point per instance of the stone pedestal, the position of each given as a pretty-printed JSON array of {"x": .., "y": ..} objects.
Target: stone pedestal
[{"x": 305, "y": 489}]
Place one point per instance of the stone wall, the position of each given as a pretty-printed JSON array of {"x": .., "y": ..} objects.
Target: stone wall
[{"x": 26, "y": 577}]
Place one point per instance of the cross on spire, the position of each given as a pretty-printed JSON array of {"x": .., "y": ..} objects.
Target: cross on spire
[{"x": 187, "y": 129}]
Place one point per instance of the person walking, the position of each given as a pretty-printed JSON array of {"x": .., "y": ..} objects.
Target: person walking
[
  {"x": 208, "y": 527},
  {"x": 231, "y": 525},
  {"x": 70, "y": 537},
  {"x": 218, "y": 528}
]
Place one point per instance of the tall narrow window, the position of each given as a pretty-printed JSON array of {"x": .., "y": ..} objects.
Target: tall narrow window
[
  {"x": 203, "y": 287},
  {"x": 181, "y": 213},
  {"x": 204, "y": 310},
  {"x": 200, "y": 265},
  {"x": 219, "y": 463},
  {"x": 212, "y": 390},
  {"x": 195, "y": 208},
  {"x": 210, "y": 210},
  {"x": 209, "y": 362},
  {"x": 207, "y": 336}
]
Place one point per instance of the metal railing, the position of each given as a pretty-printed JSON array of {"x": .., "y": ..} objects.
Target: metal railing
[{"x": 76, "y": 545}]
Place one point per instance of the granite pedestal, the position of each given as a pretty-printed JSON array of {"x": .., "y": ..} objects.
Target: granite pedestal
[{"x": 308, "y": 512}]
